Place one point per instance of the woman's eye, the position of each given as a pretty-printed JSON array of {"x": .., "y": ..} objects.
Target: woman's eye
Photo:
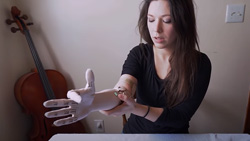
[
  {"x": 150, "y": 20},
  {"x": 167, "y": 21}
]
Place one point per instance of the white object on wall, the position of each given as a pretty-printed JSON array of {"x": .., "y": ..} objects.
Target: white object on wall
[{"x": 235, "y": 13}]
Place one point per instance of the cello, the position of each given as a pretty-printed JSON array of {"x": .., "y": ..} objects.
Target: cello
[{"x": 37, "y": 86}]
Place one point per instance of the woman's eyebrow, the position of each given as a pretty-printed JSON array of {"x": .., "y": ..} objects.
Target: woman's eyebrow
[
  {"x": 165, "y": 15},
  {"x": 150, "y": 15}
]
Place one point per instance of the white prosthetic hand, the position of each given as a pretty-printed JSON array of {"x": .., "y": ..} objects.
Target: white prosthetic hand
[
  {"x": 78, "y": 105},
  {"x": 81, "y": 102}
]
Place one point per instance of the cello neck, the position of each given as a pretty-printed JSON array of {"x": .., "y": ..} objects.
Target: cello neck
[{"x": 39, "y": 66}]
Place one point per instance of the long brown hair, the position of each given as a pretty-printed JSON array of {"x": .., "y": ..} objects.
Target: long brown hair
[{"x": 183, "y": 61}]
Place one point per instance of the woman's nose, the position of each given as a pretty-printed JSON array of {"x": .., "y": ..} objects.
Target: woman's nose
[{"x": 158, "y": 26}]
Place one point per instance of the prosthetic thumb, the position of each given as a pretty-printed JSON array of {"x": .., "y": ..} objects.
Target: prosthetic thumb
[{"x": 89, "y": 89}]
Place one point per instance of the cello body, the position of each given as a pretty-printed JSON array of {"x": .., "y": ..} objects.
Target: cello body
[
  {"x": 38, "y": 86},
  {"x": 30, "y": 94}
]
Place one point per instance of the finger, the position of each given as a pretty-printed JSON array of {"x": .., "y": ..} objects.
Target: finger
[
  {"x": 89, "y": 75},
  {"x": 60, "y": 113},
  {"x": 59, "y": 103},
  {"x": 121, "y": 88},
  {"x": 125, "y": 98},
  {"x": 74, "y": 95},
  {"x": 65, "y": 121}
]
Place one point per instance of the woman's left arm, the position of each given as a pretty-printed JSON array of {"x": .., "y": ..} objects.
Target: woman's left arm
[
  {"x": 184, "y": 111},
  {"x": 130, "y": 106}
]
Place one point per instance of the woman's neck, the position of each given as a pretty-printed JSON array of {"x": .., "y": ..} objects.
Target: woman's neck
[
  {"x": 162, "y": 53},
  {"x": 161, "y": 59}
]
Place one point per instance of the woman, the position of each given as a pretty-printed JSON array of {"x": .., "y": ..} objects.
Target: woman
[{"x": 168, "y": 74}]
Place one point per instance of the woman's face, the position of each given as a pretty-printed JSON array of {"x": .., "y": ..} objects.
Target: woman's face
[{"x": 160, "y": 25}]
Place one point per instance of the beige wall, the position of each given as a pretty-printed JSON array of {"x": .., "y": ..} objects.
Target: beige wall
[
  {"x": 14, "y": 61},
  {"x": 72, "y": 36},
  {"x": 228, "y": 46}
]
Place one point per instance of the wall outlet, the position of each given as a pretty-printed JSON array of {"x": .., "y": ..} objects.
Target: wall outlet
[
  {"x": 99, "y": 126},
  {"x": 235, "y": 13}
]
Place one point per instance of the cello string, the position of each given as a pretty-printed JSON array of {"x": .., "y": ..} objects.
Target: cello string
[
  {"x": 39, "y": 67},
  {"x": 43, "y": 76}
]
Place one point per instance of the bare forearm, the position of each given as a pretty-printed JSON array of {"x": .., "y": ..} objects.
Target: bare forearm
[{"x": 152, "y": 115}]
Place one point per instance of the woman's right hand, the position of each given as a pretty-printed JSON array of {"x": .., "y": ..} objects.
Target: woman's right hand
[
  {"x": 78, "y": 104},
  {"x": 127, "y": 106}
]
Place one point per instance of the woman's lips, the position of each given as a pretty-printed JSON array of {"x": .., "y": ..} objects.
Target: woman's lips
[{"x": 158, "y": 39}]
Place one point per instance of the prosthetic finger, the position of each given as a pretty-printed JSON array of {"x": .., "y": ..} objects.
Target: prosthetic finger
[
  {"x": 89, "y": 75},
  {"x": 59, "y": 103},
  {"x": 78, "y": 94},
  {"x": 73, "y": 95},
  {"x": 60, "y": 113},
  {"x": 65, "y": 121}
]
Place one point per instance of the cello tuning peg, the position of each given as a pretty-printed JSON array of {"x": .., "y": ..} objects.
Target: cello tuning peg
[
  {"x": 9, "y": 22},
  {"x": 25, "y": 17},
  {"x": 28, "y": 24},
  {"x": 14, "y": 30}
]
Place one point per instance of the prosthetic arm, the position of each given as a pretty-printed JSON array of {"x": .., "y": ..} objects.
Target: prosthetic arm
[{"x": 81, "y": 102}]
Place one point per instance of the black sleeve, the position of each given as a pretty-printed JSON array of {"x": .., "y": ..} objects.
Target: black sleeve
[
  {"x": 132, "y": 63},
  {"x": 183, "y": 112}
]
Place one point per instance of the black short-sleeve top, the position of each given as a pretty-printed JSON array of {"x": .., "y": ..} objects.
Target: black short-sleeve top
[{"x": 150, "y": 91}]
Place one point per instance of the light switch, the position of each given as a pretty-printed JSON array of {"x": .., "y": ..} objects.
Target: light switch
[{"x": 235, "y": 13}]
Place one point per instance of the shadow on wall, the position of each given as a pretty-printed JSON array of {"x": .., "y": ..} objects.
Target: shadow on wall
[{"x": 37, "y": 31}]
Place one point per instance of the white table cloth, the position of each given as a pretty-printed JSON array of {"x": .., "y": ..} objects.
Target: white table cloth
[{"x": 151, "y": 137}]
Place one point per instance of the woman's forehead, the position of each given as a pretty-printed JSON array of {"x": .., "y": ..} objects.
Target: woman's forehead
[{"x": 159, "y": 8}]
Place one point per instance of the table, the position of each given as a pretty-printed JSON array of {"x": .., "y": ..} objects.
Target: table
[{"x": 150, "y": 137}]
